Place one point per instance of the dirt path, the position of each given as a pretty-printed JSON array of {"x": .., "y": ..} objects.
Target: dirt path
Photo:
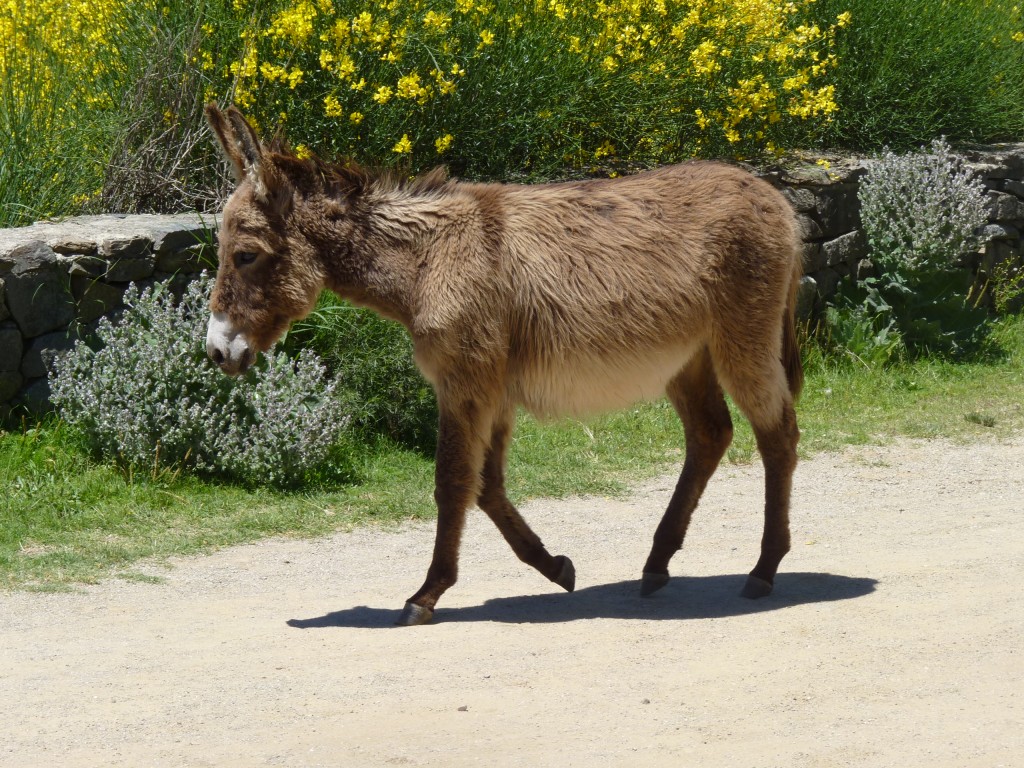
[{"x": 894, "y": 638}]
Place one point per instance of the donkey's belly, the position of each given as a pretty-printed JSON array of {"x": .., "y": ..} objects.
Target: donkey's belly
[{"x": 574, "y": 387}]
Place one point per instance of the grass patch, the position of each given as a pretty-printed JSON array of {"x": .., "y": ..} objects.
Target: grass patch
[
  {"x": 912, "y": 70},
  {"x": 66, "y": 520}
]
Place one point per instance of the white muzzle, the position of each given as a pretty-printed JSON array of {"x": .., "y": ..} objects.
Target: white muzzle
[{"x": 228, "y": 347}]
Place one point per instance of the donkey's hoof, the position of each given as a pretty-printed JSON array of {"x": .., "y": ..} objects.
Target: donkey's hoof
[
  {"x": 566, "y": 577},
  {"x": 414, "y": 614},
  {"x": 652, "y": 582},
  {"x": 756, "y": 587}
]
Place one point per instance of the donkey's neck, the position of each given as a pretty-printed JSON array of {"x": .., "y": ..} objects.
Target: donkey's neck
[{"x": 371, "y": 250}]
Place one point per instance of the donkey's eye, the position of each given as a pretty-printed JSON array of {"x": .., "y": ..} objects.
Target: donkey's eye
[{"x": 244, "y": 258}]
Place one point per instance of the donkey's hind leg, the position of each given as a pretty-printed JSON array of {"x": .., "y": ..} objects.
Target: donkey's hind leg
[
  {"x": 763, "y": 395},
  {"x": 524, "y": 542},
  {"x": 698, "y": 399},
  {"x": 777, "y": 445}
]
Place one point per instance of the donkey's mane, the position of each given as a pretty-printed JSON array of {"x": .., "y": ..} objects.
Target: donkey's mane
[{"x": 347, "y": 177}]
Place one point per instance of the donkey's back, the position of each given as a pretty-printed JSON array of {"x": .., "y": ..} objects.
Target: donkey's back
[{"x": 604, "y": 289}]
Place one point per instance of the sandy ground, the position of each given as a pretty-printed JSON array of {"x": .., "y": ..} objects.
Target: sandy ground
[{"x": 894, "y": 638}]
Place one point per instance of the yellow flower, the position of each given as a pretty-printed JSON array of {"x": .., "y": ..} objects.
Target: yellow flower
[
  {"x": 437, "y": 21},
  {"x": 346, "y": 67},
  {"x": 332, "y": 107},
  {"x": 409, "y": 87},
  {"x": 605, "y": 150},
  {"x": 302, "y": 152},
  {"x": 356, "y": 118},
  {"x": 383, "y": 94},
  {"x": 442, "y": 144},
  {"x": 486, "y": 38},
  {"x": 272, "y": 72},
  {"x": 404, "y": 146},
  {"x": 294, "y": 24},
  {"x": 702, "y": 58},
  {"x": 444, "y": 85},
  {"x": 363, "y": 23},
  {"x": 843, "y": 19}
]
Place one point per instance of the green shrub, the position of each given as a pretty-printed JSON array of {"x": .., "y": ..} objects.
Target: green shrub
[
  {"x": 911, "y": 70},
  {"x": 371, "y": 358},
  {"x": 921, "y": 213},
  {"x": 921, "y": 210},
  {"x": 1006, "y": 287},
  {"x": 149, "y": 398}
]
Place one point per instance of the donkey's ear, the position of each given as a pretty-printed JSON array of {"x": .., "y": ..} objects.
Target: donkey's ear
[
  {"x": 225, "y": 134},
  {"x": 244, "y": 150}
]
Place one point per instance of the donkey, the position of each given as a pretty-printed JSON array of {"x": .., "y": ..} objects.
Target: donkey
[{"x": 560, "y": 298}]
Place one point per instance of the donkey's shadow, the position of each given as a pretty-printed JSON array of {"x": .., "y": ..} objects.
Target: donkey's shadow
[{"x": 700, "y": 597}]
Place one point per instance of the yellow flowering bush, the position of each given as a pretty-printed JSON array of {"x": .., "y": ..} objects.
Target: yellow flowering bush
[
  {"x": 59, "y": 64},
  {"x": 733, "y": 68},
  {"x": 392, "y": 64},
  {"x": 100, "y": 100},
  {"x": 48, "y": 45},
  {"x": 560, "y": 83}
]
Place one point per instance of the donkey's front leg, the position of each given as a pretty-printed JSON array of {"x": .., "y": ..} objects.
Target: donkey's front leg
[
  {"x": 460, "y": 453},
  {"x": 524, "y": 542}
]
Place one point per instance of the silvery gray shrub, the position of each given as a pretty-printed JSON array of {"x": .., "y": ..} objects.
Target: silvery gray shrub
[
  {"x": 921, "y": 210},
  {"x": 150, "y": 397},
  {"x": 921, "y": 213}
]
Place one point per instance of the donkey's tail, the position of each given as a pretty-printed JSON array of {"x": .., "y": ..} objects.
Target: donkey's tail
[{"x": 790, "y": 348}]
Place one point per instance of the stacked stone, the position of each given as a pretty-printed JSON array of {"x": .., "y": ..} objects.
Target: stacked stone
[
  {"x": 824, "y": 196},
  {"x": 58, "y": 278},
  {"x": 1002, "y": 170}
]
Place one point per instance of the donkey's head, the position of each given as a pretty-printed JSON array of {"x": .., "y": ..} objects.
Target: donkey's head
[{"x": 268, "y": 273}]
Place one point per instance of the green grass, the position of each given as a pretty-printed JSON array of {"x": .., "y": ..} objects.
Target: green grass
[
  {"x": 912, "y": 70},
  {"x": 66, "y": 520}
]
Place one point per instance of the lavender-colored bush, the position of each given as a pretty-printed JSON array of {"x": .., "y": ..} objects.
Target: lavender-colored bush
[
  {"x": 921, "y": 213},
  {"x": 922, "y": 210},
  {"x": 149, "y": 397}
]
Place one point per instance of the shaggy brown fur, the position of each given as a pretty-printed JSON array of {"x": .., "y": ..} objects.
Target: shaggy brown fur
[{"x": 560, "y": 298}]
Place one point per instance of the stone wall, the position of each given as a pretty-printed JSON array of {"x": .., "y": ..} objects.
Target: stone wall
[
  {"x": 58, "y": 278},
  {"x": 825, "y": 198}
]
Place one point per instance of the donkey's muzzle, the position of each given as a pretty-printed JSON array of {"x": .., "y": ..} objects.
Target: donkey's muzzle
[{"x": 227, "y": 347}]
